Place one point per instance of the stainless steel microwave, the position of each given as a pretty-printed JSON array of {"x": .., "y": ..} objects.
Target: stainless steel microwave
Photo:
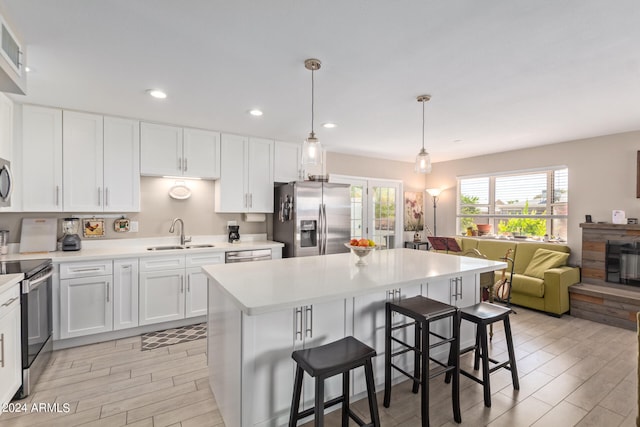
[{"x": 6, "y": 183}]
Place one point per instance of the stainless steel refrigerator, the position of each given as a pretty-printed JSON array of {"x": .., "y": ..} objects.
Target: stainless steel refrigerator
[{"x": 312, "y": 218}]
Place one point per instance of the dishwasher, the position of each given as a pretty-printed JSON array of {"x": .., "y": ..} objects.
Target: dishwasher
[{"x": 247, "y": 256}]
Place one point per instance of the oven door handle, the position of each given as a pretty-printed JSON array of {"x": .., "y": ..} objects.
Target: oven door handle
[{"x": 32, "y": 284}]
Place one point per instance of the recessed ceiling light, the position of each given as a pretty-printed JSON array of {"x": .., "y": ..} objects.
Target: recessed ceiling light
[
  {"x": 27, "y": 69},
  {"x": 157, "y": 93},
  {"x": 255, "y": 112},
  {"x": 329, "y": 125}
]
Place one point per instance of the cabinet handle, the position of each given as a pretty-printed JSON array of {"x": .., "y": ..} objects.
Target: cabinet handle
[
  {"x": 182, "y": 284},
  {"x": 298, "y": 321},
  {"x": 2, "y": 350},
  {"x": 9, "y": 302},
  {"x": 460, "y": 280},
  {"x": 106, "y": 196},
  {"x": 399, "y": 292},
  {"x": 453, "y": 287},
  {"x": 309, "y": 319},
  {"x": 179, "y": 163},
  {"x": 108, "y": 288},
  {"x": 57, "y": 195},
  {"x": 185, "y": 165},
  {"x": 80, "y": 270},
  {"x": 250, "y": 200},
  {"x": 99, "y": 196},
  {"x": 188, "y": 283}
]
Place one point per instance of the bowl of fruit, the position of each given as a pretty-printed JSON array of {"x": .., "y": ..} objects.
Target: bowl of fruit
[{"x": 361, "y": 248}]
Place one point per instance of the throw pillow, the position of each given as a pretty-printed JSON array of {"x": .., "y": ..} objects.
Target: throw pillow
[{"x": 543, "y": 260}]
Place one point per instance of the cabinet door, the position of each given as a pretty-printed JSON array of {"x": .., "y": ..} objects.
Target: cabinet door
[
  {"x": 82, "y": 157},
  {"x": 41, "y": 159},
  {"x": 11, "y": 367},
  {"x": 286, "y": 162},
  {"x": 201, "y": 151},
  {"x": 196, "y": 296},
  {"x": 86, "y": 306},
  {"x": 161, "y": 296},
  {"x": 267, "y": 380},
  {"x": 323, "y": 323},
  {"x": 121, "y": 165},
  {"x": 125, "y": 293},
  {"x": 160, "y": 150},
  {"x": 231, "y": 190},
  {"x": 368, "y": 327},
  {"x": 6, "y": 127},
  {"x": 260, "y": 175}
]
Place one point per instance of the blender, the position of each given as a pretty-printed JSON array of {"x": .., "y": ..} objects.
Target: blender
[{"x": 70, "y": 240}]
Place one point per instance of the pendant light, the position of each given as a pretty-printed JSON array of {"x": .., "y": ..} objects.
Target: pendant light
[
  {"x": 311, "y": 149},
  {"x": 423, "y": 160}
]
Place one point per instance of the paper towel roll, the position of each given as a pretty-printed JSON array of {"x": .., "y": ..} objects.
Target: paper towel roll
[{"x": 255, "y": 217}]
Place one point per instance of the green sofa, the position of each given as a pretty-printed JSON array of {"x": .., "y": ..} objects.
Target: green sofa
[{"x": 533, "y": 285}]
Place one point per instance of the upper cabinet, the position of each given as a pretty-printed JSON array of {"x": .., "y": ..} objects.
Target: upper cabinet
[
  {"x": 13, "y": 77},
  {"x": 174, "y": 151},
  {"x": 100, "y": 156},
  {"x": 287, "y": 160},
  {"x": 41, "y": 159},
  {"x": 246, "y": 175}
]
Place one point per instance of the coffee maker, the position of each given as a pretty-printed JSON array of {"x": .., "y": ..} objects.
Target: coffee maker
[
  {"x": 234, "y": 233},
  {"x": 71, "y": 241}
]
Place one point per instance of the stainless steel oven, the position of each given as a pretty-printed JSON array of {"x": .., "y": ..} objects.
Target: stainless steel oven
[{"x": 36, "y": 317}]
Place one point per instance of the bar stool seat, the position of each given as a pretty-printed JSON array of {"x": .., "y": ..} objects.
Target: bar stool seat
[
  {"x": 423, "y": 311},
  {"x": 322, "y": 362},
  {"x": 484, "y": 314}
]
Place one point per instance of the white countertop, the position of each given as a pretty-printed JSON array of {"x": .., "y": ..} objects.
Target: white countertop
[
  {"x": 127, "y": 248},
  {"x": 9, "y": 280},
  {"x": 266, "y": 286}
]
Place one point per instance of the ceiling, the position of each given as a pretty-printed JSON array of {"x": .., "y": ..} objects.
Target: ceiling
[{"x": 503, "y": 74}]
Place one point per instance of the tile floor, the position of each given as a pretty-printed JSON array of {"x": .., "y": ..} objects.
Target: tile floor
[{"x": 572, "y": 372}]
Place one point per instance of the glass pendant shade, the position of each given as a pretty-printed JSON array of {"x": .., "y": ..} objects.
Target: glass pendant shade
[
  {"x": 311, "y": 151},
  {"x": 423, "y": 162}
]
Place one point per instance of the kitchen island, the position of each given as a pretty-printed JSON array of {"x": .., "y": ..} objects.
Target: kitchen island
[{"x": 260, "y": 312}]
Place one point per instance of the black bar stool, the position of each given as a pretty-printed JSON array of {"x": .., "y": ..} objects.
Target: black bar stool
[
  {"x": 484, "y": 314},
  {"x": 423, "y": 311},
  {"x": 338, "y": 357}
]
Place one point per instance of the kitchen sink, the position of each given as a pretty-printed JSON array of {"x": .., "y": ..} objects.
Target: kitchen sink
[
  {"x": 163, "y": 248},
  {"x": 171, "y": 247}
]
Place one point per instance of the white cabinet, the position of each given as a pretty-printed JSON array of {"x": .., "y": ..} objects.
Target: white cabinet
[
  {"x": 6, "y": 127},
  {"x": 125, "y": 293},
  {"x": 86, "y": 298},
  {"x": 174, "y": 151},
  {"x": 41, "y": 159},
  {"x": 13, "y": 78},
  {"x": 287, "y": 160},
  {"x": 173, "y": 287},
  {"x": 10, "y": 361},
  {"x": 82, "y": 138},
  {"x": 267, "y": 350},
  {"x": 101, "y": 163},
  {"x": 121, "y": 165},
  {"x": 246, "y": 175}
]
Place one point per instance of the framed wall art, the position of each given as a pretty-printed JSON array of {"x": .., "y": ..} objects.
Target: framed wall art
[{"x": 93, "y": 227}]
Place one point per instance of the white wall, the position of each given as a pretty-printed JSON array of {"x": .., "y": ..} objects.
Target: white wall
[{"x": 602, "y": 177}]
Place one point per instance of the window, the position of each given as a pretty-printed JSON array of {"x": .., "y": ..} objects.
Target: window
[{"x": 515, "y": 204}]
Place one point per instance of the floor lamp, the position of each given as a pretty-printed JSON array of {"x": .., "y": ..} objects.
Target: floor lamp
[{"x": 435, "y": 193}]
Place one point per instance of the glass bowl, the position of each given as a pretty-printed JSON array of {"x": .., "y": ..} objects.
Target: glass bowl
[{"x": 361, "y": 252}]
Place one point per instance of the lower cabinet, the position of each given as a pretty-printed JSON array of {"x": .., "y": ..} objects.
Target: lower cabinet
[
  {"x": 125, "y": 293},
  {"x": 174, "y": 287},
  {"x": 10, "y": 362},
  {"x": 270, "y": 369}
]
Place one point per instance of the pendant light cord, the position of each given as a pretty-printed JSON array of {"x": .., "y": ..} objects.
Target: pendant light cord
[
  {"x": 312, "y": 95},
  {"x": 422, "y": 125}
]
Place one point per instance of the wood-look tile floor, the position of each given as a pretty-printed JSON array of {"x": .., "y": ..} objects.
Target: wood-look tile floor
[{"x": 572, "y": 372}]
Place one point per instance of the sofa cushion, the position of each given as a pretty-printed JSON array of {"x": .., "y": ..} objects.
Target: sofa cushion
[
  {"x": 526, "y": 250},
  {"x": 527, "y": 285},
  {"x": 544, "y": 260},
  {"x": 496, "y": 249}
]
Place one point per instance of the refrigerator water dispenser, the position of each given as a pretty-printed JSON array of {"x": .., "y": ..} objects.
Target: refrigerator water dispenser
[{"x": 308, "y": 234}]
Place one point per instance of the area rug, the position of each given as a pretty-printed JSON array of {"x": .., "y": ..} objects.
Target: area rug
[{"x": 159, "y": 339}]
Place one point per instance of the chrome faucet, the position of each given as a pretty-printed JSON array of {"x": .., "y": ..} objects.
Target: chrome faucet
[{"x": 183, "y": 239}]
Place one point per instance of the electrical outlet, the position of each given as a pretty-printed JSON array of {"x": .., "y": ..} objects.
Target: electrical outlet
[{"x": 133, "y": 227}]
